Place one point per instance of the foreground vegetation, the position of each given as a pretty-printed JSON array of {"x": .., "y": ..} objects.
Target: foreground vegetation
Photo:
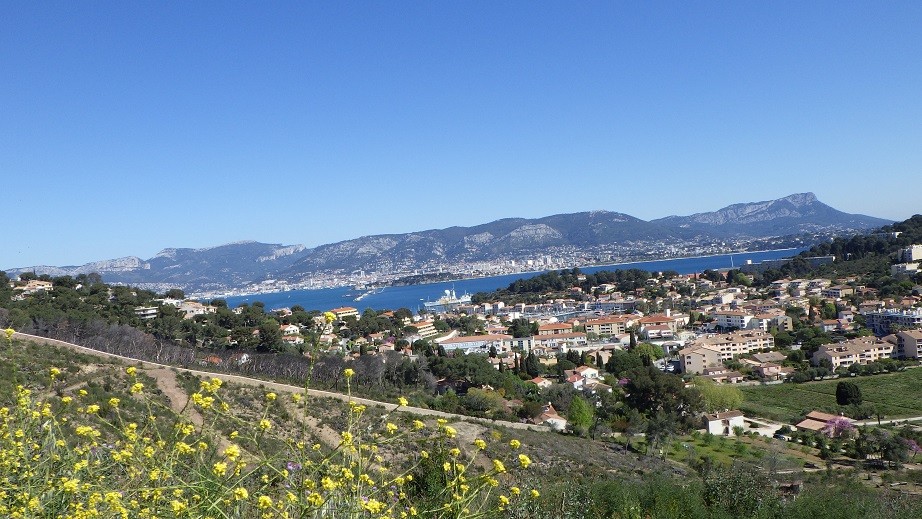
[
  {"x": 83, "y": 438},
  {"x": 64, "y": 454}
]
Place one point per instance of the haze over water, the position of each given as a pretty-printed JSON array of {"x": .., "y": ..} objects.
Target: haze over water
[{"x": 414, "y": 296}]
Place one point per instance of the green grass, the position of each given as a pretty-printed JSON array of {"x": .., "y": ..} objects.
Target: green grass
[
  {"x": 895, "y": 395},
  {"x": 692, "y": 450}
]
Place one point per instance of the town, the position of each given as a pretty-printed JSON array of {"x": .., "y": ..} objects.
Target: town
[
  {"x": 721, "y": 327},
  {"x": 801, "y": 361}
]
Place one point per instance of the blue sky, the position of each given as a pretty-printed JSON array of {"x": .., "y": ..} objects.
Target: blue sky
[{"x": 127, "y": 127}]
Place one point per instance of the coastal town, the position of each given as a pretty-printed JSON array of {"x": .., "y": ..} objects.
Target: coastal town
[
  {"x": 785, "y": 365},
  {"x": 715, "y": 325},
  {"x": 395, "y": 274},
  {"x": 461, "y": 260}
]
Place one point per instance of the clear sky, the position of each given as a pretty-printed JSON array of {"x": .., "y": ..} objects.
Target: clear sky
[{"x": 128, "y": 127}]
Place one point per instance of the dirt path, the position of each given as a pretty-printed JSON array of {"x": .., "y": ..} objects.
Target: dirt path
[
  {"x": 166, "y": 381},
  {"x": 327, "y": 435},
  {"x": 275, "y": 386}
]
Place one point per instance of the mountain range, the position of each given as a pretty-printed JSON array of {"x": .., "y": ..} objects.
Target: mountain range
[{"x": 241, "y": 263}]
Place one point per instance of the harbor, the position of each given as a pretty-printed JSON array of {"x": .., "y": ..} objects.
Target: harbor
[{"x": 416, "y": 297}]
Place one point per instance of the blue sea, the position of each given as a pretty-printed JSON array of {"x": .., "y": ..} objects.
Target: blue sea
[{"x": 414, "y": 296}]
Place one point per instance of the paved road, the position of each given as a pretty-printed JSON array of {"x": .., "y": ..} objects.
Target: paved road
[
  {"x": 275, "y": 386},
  {"x": 889, "y": 421}
]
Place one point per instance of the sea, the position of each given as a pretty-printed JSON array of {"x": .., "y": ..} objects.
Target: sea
[{"x": 413, "y": 296}]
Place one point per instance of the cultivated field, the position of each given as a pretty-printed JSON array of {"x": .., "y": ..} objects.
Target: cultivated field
[{"x": 895, "y": 395}]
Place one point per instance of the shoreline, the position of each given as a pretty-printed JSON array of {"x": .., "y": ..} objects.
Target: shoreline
[{"x": 524, "y": 272}]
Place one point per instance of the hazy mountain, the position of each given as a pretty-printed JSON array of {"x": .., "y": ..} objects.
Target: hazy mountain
[
  {"x": 241, "y": 263},
  {"x": 225, "y": 265},
  {"x": 794, "y": 214},
  {"x": 505, "y": 237}
]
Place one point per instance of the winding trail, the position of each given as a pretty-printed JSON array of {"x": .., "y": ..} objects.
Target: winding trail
[{"x": 154, "y": 367}]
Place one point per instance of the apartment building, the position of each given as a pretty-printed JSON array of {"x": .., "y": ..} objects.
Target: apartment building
[
  {"x": 862, "y": 350},
  {"x": 712, "y": 350},
  {"x": 729, "y": 319},
  {"x": 607, "y": 326},
  {"x": 909, "y": 344},
  {"x": 880, "y": 321}
]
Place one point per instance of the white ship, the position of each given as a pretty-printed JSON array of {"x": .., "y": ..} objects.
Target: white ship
[{"x": 448, "y": 302}]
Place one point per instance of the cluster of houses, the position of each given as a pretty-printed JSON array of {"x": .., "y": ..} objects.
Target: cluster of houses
[
  {"x": 738, "y": 323},
  {"x": 905, "y": 344},
  {"x": 187, "y": 308},
  {"x": 33, "y": 286},
  {"x": 730, "y": 322},
  {"x": 909, "y": 261}
]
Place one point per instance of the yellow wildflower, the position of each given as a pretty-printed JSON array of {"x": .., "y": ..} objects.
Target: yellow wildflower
[
  {"x": 232, "y": 452},
  {"x": 524, "y": 461},
  {"x": 265, "y": 502}
]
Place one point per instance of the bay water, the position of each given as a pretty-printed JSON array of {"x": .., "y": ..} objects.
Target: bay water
[{"x": 413, "y": 296}]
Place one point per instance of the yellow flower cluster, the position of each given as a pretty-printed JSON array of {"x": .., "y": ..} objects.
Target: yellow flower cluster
[{"x": 71, "y": 460}]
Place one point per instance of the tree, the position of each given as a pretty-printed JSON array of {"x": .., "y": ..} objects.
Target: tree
[
  {"x": 522, "y": 327},
  {"x": 648, "y": 353},
  {"x": 270, "y": 335},
  {"x": 580, "y": 416},
  {"x": 739, "y": 490},
  {"x": 783, "y": 339},
  {"x": 717, "y": 398},
  {"x": 848, "y": 393},
  {"x": 175, "y": 293},
  {"x": 650, "y": 391},
  {"x": 829, "y": 311},
  {"x": 622, "y": 361},
  {"x": 659, "y": 427},
  {"x": 532, "y": 365}
]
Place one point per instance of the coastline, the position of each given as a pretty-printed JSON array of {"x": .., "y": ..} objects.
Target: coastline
[{"x": 524, "y": 272}]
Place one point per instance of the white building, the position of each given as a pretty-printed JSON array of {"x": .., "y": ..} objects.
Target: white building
[
  {"x": 881, "y": 320},
  {"x": 911, "y": 254},
  {"x": 475, "y": 343},
  {"x": 722, "y": 424},
  {"x": 712, "y": 350},
  {"x": 729, "y": 319}
]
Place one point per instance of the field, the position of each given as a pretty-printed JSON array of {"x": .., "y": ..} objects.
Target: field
[{"x": 894, "y": 395}]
